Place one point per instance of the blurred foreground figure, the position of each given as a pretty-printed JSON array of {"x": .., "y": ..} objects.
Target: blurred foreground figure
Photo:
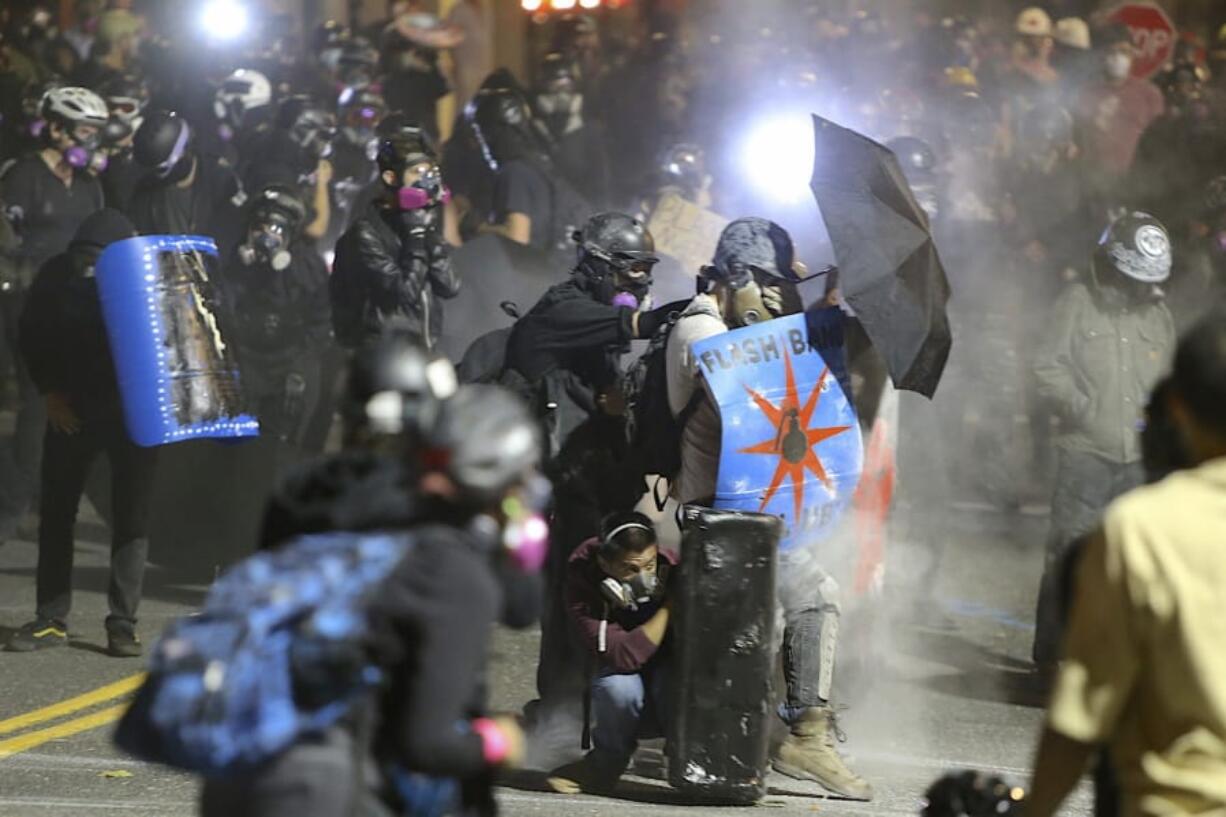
[
  {"x": 1143, "y": 664},
  {"x": 1107, "y": 343}
]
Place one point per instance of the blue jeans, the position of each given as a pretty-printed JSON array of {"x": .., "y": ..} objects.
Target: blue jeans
[{"x": 626, "y": 708}]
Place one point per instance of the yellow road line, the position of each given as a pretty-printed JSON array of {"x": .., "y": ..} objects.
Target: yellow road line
[
  {"x": 92, "y": 698},
  {"x": 75, "y": 726}
]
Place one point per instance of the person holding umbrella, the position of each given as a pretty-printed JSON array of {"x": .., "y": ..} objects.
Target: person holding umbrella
[{"x": 753, "y": 278}]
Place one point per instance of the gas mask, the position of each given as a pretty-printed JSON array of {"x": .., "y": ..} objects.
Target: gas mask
[
  {"x": 427, "y": 191},
  {"x": 755, "y": 296},
  {"x": 561, "y": 110},
  {"x": 1118, "y": 65},
  {"x": 267, "y": 242},
  {"x": 643, "y": 588},
  {"x": 85, "y": 152}
]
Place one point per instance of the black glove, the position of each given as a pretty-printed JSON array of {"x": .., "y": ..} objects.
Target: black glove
[{"x": 650, "y": 322}]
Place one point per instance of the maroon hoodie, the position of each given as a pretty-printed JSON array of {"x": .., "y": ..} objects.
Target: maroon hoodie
[{"x": 626, "y": 648}]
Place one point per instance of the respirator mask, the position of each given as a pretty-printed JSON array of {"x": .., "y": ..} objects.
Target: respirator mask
[
  {"x": 85, "y": 152},
  {"x": 268, "y": 242},
  {"x": 1118, "y": 65},
  {"x": 427, "y": 191},
  {"x": 754, "y": 296},
  {"x": 643, "y": 588}
]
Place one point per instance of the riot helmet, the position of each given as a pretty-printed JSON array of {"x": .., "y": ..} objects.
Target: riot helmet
[
  {"x": 1136, "y": 248},
  {"x": 308, "y": 125},
  {"x": 756, "y": 261},
  {"x": 240, "y": 93},
  {"x": 394, "y": 393},
  {"x": 408, "y": 165},
  {"x": 360, "y": 111},
  {"x": 616, "y": 256},
  {"x": 276, "y": 219},
  {"x": 972, "y": 794},
  {"x": 684, "y": 166},
  {"x": 163, "y": 145},
  {"x": 358, "y": 63}
]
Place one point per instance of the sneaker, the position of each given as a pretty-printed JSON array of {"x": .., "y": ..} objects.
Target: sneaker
[
  {"x": 123, "y": 644},
  {"x": 39, "y": 634}
]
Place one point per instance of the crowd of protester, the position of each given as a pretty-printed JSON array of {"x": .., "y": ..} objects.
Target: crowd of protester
[{"x": 1080, "y": 210}]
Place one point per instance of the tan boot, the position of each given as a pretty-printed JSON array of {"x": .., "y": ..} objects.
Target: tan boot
[{"x": 809, "y": 753}]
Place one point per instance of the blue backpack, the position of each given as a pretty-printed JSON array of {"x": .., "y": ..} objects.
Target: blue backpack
[{"x": 278, "y": 652}]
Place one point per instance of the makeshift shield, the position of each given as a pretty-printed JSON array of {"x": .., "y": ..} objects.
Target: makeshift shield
[
  {"x": 791, "y": 442},
  {"x": 178, "y": 378}
]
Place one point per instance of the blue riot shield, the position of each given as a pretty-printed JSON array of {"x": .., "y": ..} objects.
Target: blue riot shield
[
  {"x": 791, "y": 442},
  {"x": 178, "y": 378}
]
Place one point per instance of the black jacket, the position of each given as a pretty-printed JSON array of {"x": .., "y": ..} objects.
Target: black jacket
[
  {"x": 279, "y": 317},
  {"x": 63, "y": 341},
  {"x": 384, "y": 271}
]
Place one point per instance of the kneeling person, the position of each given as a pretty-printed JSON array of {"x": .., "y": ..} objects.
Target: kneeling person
[{"x": 617, "y": 600}]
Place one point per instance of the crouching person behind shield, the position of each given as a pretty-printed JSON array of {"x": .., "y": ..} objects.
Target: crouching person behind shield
[{"x": 617, "y": 598}]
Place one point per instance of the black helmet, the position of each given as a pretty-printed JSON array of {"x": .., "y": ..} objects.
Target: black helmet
[
  {"x": 616, "y": 239},
  {"x": 395, "y": 389},
  {"x": 403, "y": 144},
  {"x": 308, "y": 124},
  {"x": 361, "y": 111},
  {"x": 281, "y": 203},
  {"x": 684, "y": 165},
  {"x": 915, "y": 156},
  {"x": 502, "y": 122},
  {"x": 557, "y": 73},
  {"x": 487, "y": 441},
  {"x": 971, "y": 794},
  {"x": 750, "y": 245},
  {"x": 1137, "y": 246},
  {"x": 163, "y": 145}
]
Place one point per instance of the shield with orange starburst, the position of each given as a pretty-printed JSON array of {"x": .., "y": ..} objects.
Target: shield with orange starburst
[{"x": 790, "y": 442}]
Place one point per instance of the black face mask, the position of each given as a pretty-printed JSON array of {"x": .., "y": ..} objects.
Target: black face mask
[{"x": 182, "y": 169}]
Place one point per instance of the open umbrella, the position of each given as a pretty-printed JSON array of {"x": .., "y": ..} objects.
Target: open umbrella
[{"x": 889, "y": 269}]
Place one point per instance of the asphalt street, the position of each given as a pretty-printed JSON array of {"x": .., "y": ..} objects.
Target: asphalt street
[{"x": 948, "y": 687}]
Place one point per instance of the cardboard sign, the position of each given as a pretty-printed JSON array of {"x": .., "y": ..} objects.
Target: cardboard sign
[
  {"x": 791, "y": 443},
  {"x": 685, "y": 231}
]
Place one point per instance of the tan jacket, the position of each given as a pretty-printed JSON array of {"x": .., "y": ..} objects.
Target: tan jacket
[
  {"x": 1096, "y": 367},
  {"x": 1145, "y": 650}
]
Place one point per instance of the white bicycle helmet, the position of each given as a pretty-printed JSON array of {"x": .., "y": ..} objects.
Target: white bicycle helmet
[
  {"x": 242, "y": 91},
  {"x": 75, "y": 106}
]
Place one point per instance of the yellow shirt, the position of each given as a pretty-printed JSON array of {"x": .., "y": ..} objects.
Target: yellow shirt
[{"x": 1145, "y": 668}]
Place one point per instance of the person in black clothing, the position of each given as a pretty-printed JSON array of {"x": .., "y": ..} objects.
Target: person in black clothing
[
  {"x": 126, "y": 97},
  {"x": 46, "y": 197},
  {"x": 473, "y": 482},
  {"x": 183, "y": 191},
  {"x": 413, "y": 83},
  {"x": 296, "y": 151},
  {"x": 64, "y": 345},
  {"x": 559, "y": 105},
  {"x": 393, "y": 263},
  {"x": 532, "y": 203},
  {"x": 563, "y": 355},
  {"x": 360, "y": 112},
  {"x": 277, "y": 290},
  {"x": 242, "y": 113}
]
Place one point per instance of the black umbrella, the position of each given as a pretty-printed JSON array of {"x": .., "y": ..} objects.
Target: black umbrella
[{"x": 889, "y": 269}]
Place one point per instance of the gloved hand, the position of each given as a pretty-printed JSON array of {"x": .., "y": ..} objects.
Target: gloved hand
[{"x": 650, "y": 322}]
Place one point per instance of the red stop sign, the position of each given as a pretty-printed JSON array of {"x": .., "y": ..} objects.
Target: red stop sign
[{"x": 1153, "y": 34}]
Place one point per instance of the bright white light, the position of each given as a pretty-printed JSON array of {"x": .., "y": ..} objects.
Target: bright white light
[
  {"x": 563, "y": 5},
  {"x": 530, "y": 5},
  {"x": 224, "y": 20},
  {"x": 590, "y": 4},
  {"x": 777, "y": 157}
]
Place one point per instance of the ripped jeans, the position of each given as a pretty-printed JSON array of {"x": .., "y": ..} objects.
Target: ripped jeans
[{"x": 807, "y": 621}]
